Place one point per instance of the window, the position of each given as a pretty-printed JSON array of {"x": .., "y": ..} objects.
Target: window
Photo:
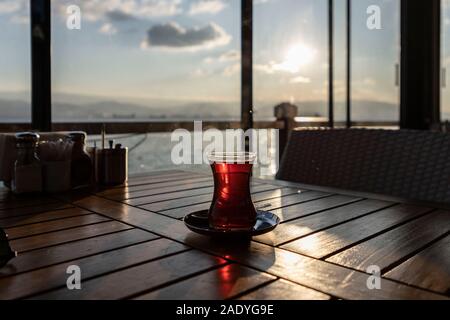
[
  {"x": 172, "y": 60},
  {"x": 15, "y": 62},
  {"x": 340, "y": 60},
  {"x": 147, "y": 60},
  {"x": 291, "y": 56},
  {"x": 445, "y": 61},
  {"x": 375, "y": 61}
]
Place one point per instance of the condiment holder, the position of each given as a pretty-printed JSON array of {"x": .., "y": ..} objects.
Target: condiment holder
[
  {"x": 112, "y": 165},
  {"x": 56, "y": 162},
  {"x": 59, "y": 162}
]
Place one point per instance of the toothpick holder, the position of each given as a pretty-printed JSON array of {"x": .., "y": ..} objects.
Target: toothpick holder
[{"x": 111, "y": 166}]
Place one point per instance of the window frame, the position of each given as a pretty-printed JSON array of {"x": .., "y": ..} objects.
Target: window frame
[{"x": 41, "y": 65}]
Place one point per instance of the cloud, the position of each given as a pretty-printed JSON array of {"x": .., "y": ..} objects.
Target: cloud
[
  {"x": 119, "y": 16},
  {"x": 207, "y": 7},
  {"x": 369, "y": 82},
  {"x": 20, "y": 19},
  {"x": 225, "y": 71},
  {"x": 157, "y": 8},
  {"x": 98, "y": 10},
  {"x": 120, "y": 10},
  {"x": 300, "y": 79},
  {"x": 265, "y": 68},
  {"x": 228, "y": 56},
  {"x": 10, "y": 6},
  {"x": 16, "y": 9},
  {"x": 232, "y": 55},
  {"x": 201, "y": 73},
  {"x": 107, "y": 29},
  {"x": 172, "y": 36},
  {"x": 232, "y": 70},
  {"x": 274, "y": 68}
]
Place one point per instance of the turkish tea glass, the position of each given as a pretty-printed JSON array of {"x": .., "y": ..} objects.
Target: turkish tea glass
[{"x": 232, "y": 208}]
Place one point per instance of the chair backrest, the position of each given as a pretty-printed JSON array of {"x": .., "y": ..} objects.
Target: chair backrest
[{"x": 401, "y": 163}]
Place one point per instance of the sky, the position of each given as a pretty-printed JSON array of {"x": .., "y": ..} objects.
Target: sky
[
  {"x": 151, "y": 51},
  {"x": 172, "y": 49}
]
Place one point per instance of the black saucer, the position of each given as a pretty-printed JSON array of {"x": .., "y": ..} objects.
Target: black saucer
[{"x": 198, "y": 223}]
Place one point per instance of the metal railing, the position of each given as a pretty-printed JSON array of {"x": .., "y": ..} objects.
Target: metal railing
[{"x": 285, "y": 120}]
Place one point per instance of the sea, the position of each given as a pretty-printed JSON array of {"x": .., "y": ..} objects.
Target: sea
[{"x": 153, "y": 152}]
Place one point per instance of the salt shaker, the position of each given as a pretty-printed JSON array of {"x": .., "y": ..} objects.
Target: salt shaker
[
  {"x": 81, "y": 168},
  {"x": 27, "y": 175}
]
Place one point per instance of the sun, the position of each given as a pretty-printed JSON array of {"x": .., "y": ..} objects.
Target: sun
[{"x": 296, "y": 57}]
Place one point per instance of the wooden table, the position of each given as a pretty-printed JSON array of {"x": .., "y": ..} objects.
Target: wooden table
[{"x": 130, "y": 243}]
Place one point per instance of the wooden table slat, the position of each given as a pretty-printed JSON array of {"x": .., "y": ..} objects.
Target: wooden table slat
[
  {"x": 182, "y": 212},
  {"x": 207, "y": 198},
  {"x": 14, "y": 202},
  {"x": 390, "y": 247},
  {"x": 285, "y": 290},
  {"x": 55, "y": 276},
  {"x": 319, "y": 275},
  {"x": 304, "y": 226},
  {"x": 158, "y": 175},
  {"x": 218, "y": 284},
  {"x": 273, "y": 194},
  {"x": 54, "y": 225},
  {"x": 299, "y": 198},
  {"x": 130, "y": 190},
  {"x": 42, "y": 217},
  {"x": 23, "y": 211},
  {"x": 138, "y": 279},
  {"x": 322, "y": 276},
  {"x": 149, "y": 179},
  {"x": 321, "y": 249},
  {"x": 177, "y": 203},
  {"x": 293, "y": 199},
  {"x": 63, "y": 236},
  {"x": 255, "y": 188},
  {"x": 312, "y": 207},
  {"x": 188, "y": 193},
  {"x": 162, "y": 190},
  {"x": 74, "y": 250},
  {"x": 169, "y": 196},
  {"x": 323, "y": 243},
  {"x": 428, "y": 269}
]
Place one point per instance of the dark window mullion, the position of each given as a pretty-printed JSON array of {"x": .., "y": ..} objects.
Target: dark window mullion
[
  {"x": 40, "y": 65},
  {"x": 331, "y": 63},
  {"x": 420, "y": 64},
  {"x": 349, "y": 64},
  {"x": 247, "y": 64}
]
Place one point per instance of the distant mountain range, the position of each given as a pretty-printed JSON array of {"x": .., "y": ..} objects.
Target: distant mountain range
[
  {"x": 20, "y": 110},
  {"x": 84, "y": 109}
]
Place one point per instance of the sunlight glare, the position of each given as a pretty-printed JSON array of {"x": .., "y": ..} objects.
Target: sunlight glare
[{"x": 296, "y": 57}]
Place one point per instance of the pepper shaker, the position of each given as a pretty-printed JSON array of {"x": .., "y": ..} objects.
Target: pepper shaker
[
  {"x": 81, "y": 167},
  {"x": 27, "y": 174}
]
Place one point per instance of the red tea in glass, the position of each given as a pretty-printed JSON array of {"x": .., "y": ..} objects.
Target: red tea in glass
[{"x": 232, "y": 208}]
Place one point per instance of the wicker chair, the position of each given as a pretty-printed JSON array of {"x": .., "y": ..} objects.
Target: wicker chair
[{"x": 400, "y": 163}]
